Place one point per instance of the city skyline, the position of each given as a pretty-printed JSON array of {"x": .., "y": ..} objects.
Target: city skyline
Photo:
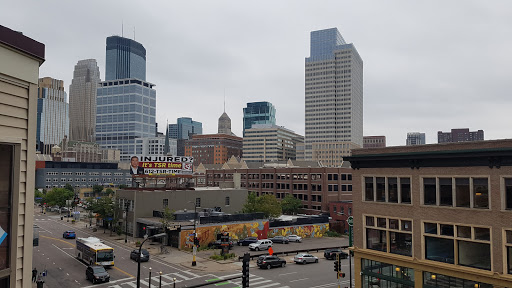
[{"x": 399, "y": 59}]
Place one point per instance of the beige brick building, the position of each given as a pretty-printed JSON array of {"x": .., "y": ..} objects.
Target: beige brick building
[
  {"x": 20, "y": 58},
  {"x": 433, "y": 215}
]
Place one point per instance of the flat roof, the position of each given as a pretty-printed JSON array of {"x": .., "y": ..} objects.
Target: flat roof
[{"x": 20, "y": 42}]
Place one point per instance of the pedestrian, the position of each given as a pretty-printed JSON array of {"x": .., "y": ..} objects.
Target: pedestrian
[
  {"x": 34, "y": 274},
  {"x": 40, "y": 278}
]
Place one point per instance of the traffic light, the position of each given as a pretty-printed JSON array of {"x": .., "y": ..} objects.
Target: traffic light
[
  {"x": 196, "y": 241},
  {"x": 245, "y": 270},
  {"x": 342, "y": 275},
  {"x": 336, "y": 266}
]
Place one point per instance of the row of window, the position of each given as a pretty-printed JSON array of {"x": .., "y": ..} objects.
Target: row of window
[
  {"x": 85, "y": 173},
  {"x": 88, "y": 179},
  {"x": 387, "y": 189}
]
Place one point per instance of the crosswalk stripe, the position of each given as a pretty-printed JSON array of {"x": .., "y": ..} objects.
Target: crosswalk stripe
[
  {"x": 269, "y": 285},
  {"x": 115, "y": 286},
  {"x": 131, "y": 284},
  {"x": 261, "y": 282},
  {"x": 190, "y": 273}
]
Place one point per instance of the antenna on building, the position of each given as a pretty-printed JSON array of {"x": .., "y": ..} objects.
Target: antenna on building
[
  {"x": 133, "y": 33},
  {"x": 122, "y": 28},
  {"x": 224, "y": 99}
]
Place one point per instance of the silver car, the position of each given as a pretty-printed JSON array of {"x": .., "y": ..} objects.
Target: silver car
[
  {"x": 261, "y": 245},
  {"x": 294, "y": 238},
  {"x": 304, "y": 258}
]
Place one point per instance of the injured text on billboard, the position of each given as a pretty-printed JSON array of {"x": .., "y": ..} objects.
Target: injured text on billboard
[{"x": 161, "y": 165}]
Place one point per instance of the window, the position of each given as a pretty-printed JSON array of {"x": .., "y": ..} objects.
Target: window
[
  {"x": 508, "y": 193},
  {"x": 462, "y": 192},
  {"x": 472, "y": 244},
  {"x": 392, "y": 190},
  {"x": 429, "y": 191},
  {"x": 508, "y": 250},
  {"x": 6, "y": 205},
  {"x": 480, "y": 193},
  {"x": 405, "y": 190},
  {"x": 381, "y": 189},
  {"x": 368, "y": 188},
  {"x": 397, "y": 232},
  {"x": 387, "y": 189},
  {"x": 226, "y": 201},
  {"x": 445, "y": 192}
]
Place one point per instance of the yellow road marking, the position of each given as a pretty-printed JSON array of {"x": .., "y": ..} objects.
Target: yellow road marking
[{"x": 122, "y": 271}]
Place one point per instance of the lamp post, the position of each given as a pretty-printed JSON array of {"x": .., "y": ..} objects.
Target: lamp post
[
  {"x": 194, "y": 247},
  {"x": 140, "y": 251},
  {"x": 126, "y": 222},
  {"x": 160, "y": 285},
  {"x": 174, "y": 282},
  {"x": 149, "y": 276}
]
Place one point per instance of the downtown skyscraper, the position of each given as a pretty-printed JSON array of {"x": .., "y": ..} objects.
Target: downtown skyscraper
[
  {"x": 82, "y": 101},
  {"x": 333, "y": 95},
  {"x": 126, "y": 104},
  {"x": 259, "y": 113}
]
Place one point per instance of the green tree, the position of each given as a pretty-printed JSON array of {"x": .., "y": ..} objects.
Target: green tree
[
  {"x": 58, "y": 196},
  {"x": 122, "y": 186},
  {"x": 167, "y": 219},
  {"x": 69, "y": 187},
  {"x": 290, "y": 204},
  {"x": 97, "y": 189},
  {"x": 267, "y": 204},
  {"x": 104, "y": 207},
  {"x": 109, "y": 191},
  {"x": 39, "y": 194}
]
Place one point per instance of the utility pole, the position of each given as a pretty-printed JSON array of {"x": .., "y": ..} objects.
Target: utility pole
[
  {"x": 194, "y": 249},
  {"x": 126, "y": 222}
]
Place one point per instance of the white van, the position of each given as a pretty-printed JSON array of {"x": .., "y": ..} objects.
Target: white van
[{"x": 261, "y": 245}]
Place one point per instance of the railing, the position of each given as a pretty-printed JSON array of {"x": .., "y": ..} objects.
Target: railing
[{"x": 294, "y": 251}]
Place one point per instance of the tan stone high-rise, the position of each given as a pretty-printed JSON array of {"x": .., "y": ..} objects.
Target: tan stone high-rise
[{"x": 82, "y": 101}]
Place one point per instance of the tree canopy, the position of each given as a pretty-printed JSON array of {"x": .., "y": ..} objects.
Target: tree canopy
[
  {"x": 290, "y": 204},
  {"x": 97, "y": 189},
  {"x": 267, "y": 204},
  {"x": 58, "y": 196}
]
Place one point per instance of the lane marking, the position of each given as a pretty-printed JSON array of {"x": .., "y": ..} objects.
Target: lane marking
[
  {"x": 287, "y": 273},
  {"x": 223, "y": 283},
  {"x": 299, "y": 279},
  {"x": 69, "y": 255},
  {"x": 58, "y": 240},
  {"x": 122, "y": 271}
]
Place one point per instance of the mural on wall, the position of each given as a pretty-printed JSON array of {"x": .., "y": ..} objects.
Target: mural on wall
[
  {"x": 305, "y": 231},
  {"x": 207, "y": 234}
]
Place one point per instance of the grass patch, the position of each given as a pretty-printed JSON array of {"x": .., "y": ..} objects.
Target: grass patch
[{"x": 215, "y": 256}]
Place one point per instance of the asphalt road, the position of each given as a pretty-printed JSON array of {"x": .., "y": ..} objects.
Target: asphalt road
[{"x": 57, "y": 256}]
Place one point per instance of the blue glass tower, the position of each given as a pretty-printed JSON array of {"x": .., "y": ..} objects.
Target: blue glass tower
[
  {"x": 184, "y": 127},
  {"x": 259, "y": 113},
  {"x": 125, "y": 58}
]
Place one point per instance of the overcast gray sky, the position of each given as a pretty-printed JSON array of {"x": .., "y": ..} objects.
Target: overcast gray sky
[{"x": 428, "y": 66}]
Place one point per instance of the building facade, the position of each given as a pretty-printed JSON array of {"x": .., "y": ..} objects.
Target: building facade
[
  {"x": 213, "y": 148},
  {"x": 374, "y": 141},
  {"x": 433, "y": 215},
  {"x": 155, "y": 146},
  {"x": 460, "y": 135},
  {"x": 224, "y": 126},
  {"x": 52, "y": 114},
  {"x": 334, "y": 91},
  {"x": 125, "y": 58},
  {"x": 259, "y": 113},
  {"x": 126, "y": 111},
  {"x": 314, "y": 186},
  {"x": 415, "y": 138},
  {"x": 82, "y": 101},
  {"x": 331, "y": 154},
  {"x": 19, "y": 73},
  {"x": 267, "y": 143},
  {"x": 53, "y": 174},
  {"x": 184, "y": 128}
]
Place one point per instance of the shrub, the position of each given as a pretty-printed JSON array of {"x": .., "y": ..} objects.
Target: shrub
[
  {"x": 137, "y": 244},
  {"x": 332, "y": 234},
  {"x": 222, "y": 257}
]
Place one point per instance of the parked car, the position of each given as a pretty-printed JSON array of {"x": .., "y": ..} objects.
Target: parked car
[
  {"x": 304, "y": 258},
  {"x": 54, "y": 209},
  {"x": 280, "y": 239},
  {"x": 270, "y": 261},
  {"x": 331, "y": 254},
  {"x": 69, "y": 234},
  {"x": 97, "y": 274},
  {"x": 247, "y": 241},
  {"x": 294, "y": 238},
  {"x": 144, "y": 255},
  {"x": 261, "y": 245},
  {"x": 218, "y": 244}
]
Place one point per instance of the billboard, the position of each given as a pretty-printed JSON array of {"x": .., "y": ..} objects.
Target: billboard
[{"x": 161, "y": 165}]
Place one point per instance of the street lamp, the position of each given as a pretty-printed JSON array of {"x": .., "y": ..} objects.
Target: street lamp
[
  {"x": 149, "y": 276},
  {"x": 160, "y": 285},
  {"x": 194, "y": 248},
  {"x": 140, "y": 251},
  {"x": 126, "y": 222},
  {"x": 174, "y": 282}
]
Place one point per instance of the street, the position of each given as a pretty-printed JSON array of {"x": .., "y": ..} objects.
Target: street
[{"x": 56, "y": 255}]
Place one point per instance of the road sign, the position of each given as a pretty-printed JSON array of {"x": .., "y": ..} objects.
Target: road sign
[
  {"x": 39, "y": 198},
  {"x": 270, "y": 251},
  {"x": 350, "y": 220}
]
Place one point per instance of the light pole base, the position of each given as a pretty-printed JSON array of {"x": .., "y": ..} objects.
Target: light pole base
[{"x": 194, "y": 263}]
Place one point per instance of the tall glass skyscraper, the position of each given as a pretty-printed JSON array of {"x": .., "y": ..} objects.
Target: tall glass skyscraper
[
  {"x": 52, "y": 114},
  {"x": 125, "y": 58},
  {"x": 82, "y": 100},
  {"x": 259, "y": 113},
  {"x": 334, "y": 92},
  {"x": 184, "y": 127},
  {"x": 126, "y": 110}
]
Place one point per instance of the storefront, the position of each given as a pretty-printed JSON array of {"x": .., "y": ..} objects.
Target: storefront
[{"x": 377, "y": 274}]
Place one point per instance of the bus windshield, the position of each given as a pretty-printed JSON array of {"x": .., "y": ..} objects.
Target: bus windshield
[{"x": 105, "y": 256}]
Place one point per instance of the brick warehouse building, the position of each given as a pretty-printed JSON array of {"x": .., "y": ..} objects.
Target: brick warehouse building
[
  {"x": 315, "y": 186},
  {"x": 435, "y": 215},
  {"x": 213, "y": 148}
]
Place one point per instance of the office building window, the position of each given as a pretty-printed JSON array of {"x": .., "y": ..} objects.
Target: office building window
[
  {"x": 387, "y": 189},
  {"x": 508, "y": 250},
  {"x": 390, "y": 235},
  {"x": 472, "y": 244},
  {"x": 442, "y": 191},
  {"x": 429, "y": 191}
]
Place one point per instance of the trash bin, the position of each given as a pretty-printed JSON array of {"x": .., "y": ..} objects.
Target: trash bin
[
  {"x": 61, "y": 217},
  {"x": 40, "y": 284}
]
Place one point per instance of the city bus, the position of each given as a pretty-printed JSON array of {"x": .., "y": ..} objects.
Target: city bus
[{"x": 93, "y": 252}]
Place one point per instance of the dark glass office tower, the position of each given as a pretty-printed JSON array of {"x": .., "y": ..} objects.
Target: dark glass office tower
[
  {"x": 125, "y": 58},
  {"x": 259, "y": 113}
]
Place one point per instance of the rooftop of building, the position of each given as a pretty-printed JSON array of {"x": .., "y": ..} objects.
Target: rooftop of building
[
  {"x": 17, "y": 41},
  {"x": 125, "y": 82}
]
